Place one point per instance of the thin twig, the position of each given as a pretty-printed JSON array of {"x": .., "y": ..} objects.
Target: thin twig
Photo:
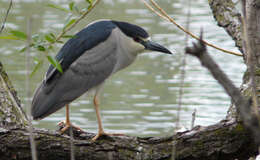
[
  {"x": 6, "y": 15},
  {"x": 77, "y": 21},
  {"x": 183, "y": 68},
  {"x": 165, "y": 16},
  {"x": 153, "y": 10},
  {"x": 27, "y": 88},
  {"x": 193, "y": 118}
]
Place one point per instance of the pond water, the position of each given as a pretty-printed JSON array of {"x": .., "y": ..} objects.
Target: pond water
[{"x": 142, "y": 99}]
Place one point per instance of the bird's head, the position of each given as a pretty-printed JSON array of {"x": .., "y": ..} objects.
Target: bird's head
[{"x": 140, "y": 39}]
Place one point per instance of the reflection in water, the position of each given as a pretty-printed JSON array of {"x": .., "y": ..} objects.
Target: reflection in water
[{"x": 142, "y": 99}]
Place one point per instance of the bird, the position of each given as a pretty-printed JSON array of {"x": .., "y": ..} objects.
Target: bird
[{"x": 88, "y": 59}]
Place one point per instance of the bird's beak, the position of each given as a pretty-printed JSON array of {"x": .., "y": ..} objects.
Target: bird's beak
[{"x": 150, "y": 45}]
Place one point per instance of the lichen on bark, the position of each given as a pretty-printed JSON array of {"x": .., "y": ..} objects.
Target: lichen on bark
[{"x": 11, "y": 113}]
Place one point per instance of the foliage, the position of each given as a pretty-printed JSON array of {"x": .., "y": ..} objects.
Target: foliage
[{"x": 44, "y": 42}]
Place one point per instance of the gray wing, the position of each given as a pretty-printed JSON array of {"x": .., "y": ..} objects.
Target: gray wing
[{"x": 88, "y": 71}]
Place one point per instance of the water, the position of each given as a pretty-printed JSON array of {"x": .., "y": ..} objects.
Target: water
[{"x": 141, "y": 100}]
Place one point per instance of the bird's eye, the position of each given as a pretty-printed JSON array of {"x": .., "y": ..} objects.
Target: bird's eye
[{"x": 137, "y": 39}]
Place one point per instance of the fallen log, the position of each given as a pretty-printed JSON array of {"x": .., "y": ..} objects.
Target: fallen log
[{"x": 224, "y": 140}]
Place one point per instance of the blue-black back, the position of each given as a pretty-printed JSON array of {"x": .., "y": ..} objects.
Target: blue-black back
[
  {"x": 88, "y": 38},
  {"x": 84, "y": 40}
]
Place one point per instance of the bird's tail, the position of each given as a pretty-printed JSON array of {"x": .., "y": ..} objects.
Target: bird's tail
[{"x": 44, "y": 103}]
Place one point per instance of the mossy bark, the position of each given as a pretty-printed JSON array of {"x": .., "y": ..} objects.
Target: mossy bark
[
  {"x": 11, "y": 113},
  {"x": 225, "y": 140},
  {"x": 229, "y": 18}
]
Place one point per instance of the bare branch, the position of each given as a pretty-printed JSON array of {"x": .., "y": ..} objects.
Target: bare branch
[
  {"x": 6, "y": 15},
  {"x": 193, "y": 118},
  {"x": 243, "y": 105},
  {"x": 165, "y": 16},
  {"x": 229, "y": 18},
  {"x": 27, "y": 88},
  {"x": 77, "y": 21}
]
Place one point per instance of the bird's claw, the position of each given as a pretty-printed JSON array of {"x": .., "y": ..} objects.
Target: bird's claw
[{"x": 65, "y": 126}]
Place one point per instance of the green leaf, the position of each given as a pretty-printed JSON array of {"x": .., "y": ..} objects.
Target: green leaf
[
  {"x": 71, "y": 6},
  {"x": 77, "y": 10},
  {"x": 41, "y": 48},
  {"x": 53, "y": 35},
  {"x": 19, "y": 34},
  {"x": 89, "y": 1},
  {"x": 60, "y": 41},
  {"x": 49, "y": 38},
  {"x": 55, "y": 63},
  {"x": 69, "y": 23},
  {"x": 50, "y": 47},
  {"x": 35, "y": 37},
  {"x": 58, "y": 7},
  {"x": 90, "y": 6},
  {"x": 9, "y": 37},
  {"x": 36, "y": 67},
  {"x": 68, "y": 36},
  {"x": 59, "y": 67},
  {"x": 23, "y": 49}
]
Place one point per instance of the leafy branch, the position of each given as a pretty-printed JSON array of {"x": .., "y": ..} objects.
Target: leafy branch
[{"x": 44, "y": 42}]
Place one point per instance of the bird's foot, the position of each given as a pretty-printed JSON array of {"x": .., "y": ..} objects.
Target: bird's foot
[
  {"x": 65, "y": 126},
  {"x": 102, "y": 133}
]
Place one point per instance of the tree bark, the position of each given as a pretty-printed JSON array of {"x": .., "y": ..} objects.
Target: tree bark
[
  {"x": 11, "y": 113},
  {"x": 225, "y": 140},
  {"x": 252, "y": 14},
  {"x": 229, "y": 18}
]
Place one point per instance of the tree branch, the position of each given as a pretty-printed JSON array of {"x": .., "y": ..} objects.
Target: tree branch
[
  {"x": 243, "y": 105},
  {"x": 224, "y": 140},
  {"x": 11, "y": 113},
  {"x": 77, "y": 21},
  {"x": 6, "y": 15},
  {"x": 229, "y": 18},
  {"x": 166, "y": 17}
]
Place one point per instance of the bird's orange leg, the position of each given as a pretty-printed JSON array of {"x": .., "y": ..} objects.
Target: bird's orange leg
[
  {"x": 100, "y": 128},
  {"x": 67, "y": 122}
]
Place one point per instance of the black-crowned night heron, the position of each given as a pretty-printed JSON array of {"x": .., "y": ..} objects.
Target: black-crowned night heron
[{"x": 88, "y": 59}]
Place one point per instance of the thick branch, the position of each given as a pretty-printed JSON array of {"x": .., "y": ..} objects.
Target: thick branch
[
  {"x": 11, "y": 113},
  {"x": 252, "y": 14},
  {"x": 225, "y": 140},
  {"x": 229, "y": 18}
]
